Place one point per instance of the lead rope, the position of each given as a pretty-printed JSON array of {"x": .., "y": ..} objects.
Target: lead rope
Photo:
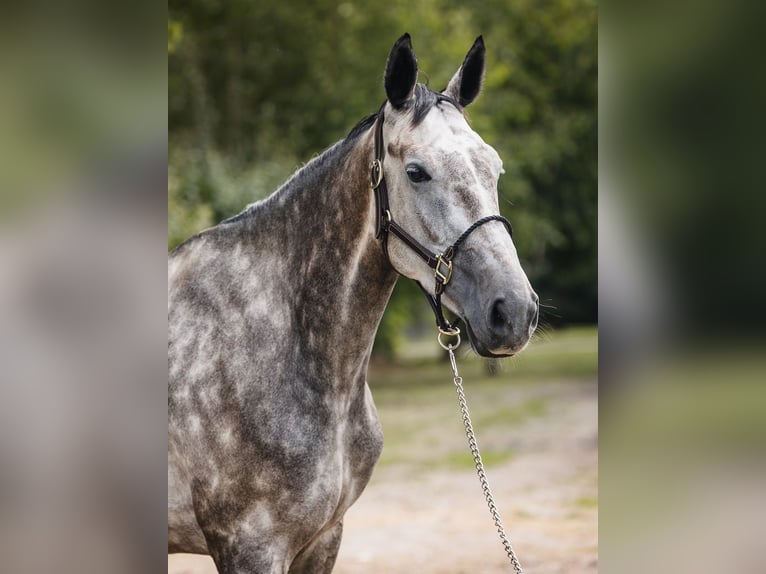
[{"x": 458, "y": 380}]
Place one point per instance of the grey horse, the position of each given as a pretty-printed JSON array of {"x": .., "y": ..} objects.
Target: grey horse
[{"x": 273, "y": 433}]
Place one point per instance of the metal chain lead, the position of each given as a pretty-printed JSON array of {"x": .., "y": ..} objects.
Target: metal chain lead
[{"x": 458, "y": 380}]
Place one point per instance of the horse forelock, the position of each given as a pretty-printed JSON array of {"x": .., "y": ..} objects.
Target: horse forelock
[{"x": 424, "y": 99}]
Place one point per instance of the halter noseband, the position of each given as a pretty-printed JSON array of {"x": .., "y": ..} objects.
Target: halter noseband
[{"x": 441, "y": 263}]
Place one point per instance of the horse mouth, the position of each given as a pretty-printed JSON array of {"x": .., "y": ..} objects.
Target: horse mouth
[{"x": 480, "y": 348}]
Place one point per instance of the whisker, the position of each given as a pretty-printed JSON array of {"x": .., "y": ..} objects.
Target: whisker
[
  {"x": 556, "y": 315},
  {"x": 543, "y": 333},
  {"x": 506, "y": 200}
]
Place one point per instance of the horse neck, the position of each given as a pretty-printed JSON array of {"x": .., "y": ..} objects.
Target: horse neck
[{"x": 341, "y": 278}]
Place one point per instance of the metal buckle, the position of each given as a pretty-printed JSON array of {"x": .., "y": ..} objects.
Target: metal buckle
[
  {"x": 441, "y": 276},
  {"x": 376, "y": 173}
]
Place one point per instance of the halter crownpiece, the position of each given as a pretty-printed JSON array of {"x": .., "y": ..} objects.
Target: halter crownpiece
[{"x": 441, "y": 263}]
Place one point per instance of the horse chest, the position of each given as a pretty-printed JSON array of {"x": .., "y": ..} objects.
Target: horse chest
[
  {"x": 331, "y": 459},
  {"x": 346, "y": 450}
]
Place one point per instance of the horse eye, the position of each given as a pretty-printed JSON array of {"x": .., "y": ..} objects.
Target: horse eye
[{"x": 417, "y": 173}]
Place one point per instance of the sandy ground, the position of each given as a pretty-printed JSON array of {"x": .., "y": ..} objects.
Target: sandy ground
[{"x": 436, "y": 521}]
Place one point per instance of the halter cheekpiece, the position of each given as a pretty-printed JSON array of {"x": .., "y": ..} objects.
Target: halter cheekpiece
[{"x": 440, "y": 263}]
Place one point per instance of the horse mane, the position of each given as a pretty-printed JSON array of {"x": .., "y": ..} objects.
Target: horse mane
[{"x": 362, "y": 127}]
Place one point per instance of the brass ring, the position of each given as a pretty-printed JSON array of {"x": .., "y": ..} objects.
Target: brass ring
[{"x": 450, "y": 346}]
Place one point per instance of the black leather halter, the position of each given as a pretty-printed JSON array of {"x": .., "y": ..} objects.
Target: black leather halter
[{"x": 441, "y": 263}]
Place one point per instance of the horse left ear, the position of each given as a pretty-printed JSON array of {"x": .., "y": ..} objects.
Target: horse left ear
[
  {"x": 401, "y": 72},
  {"x": 466, "y": 83}
]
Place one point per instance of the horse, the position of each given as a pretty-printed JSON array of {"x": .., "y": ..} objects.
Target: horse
[{"x": 272, "y": 429}]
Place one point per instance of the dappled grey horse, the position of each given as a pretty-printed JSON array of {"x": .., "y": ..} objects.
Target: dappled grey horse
[{"x": 272, "y": 314}]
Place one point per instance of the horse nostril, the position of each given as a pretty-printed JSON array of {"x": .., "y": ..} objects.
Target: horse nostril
[{"x": 499, "y": 319}]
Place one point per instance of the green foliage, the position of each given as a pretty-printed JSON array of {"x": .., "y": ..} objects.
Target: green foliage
[
  {"x": 407, "y": 308},
  {"x": 540, "y": 100},
  {"x": 175, "y": 33},
  {"x": 257, "y": 88},
  {"x": 206, "y": 186}
]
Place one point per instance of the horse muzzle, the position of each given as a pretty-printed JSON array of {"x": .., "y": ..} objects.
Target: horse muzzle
[{"x": 505, "y": 326}]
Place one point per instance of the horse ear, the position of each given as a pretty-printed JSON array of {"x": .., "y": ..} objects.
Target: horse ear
[
  {"x": 466, "y": 83},
  {"x": 401, "y": 72}
]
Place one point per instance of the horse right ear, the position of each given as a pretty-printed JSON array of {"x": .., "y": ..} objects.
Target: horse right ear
[
  {"x": 401, "y": 72},
  {"x": 466, "y": 83}
]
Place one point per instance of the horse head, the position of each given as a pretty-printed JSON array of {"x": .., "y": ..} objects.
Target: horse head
[{"x": 441, "y": 178}]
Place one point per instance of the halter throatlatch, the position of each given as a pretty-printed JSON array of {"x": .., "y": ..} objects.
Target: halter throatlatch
[{"x": 441, "y": 263}]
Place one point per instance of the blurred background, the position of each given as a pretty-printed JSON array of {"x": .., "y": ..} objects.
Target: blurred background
[{"x": 682, "y": 367}]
